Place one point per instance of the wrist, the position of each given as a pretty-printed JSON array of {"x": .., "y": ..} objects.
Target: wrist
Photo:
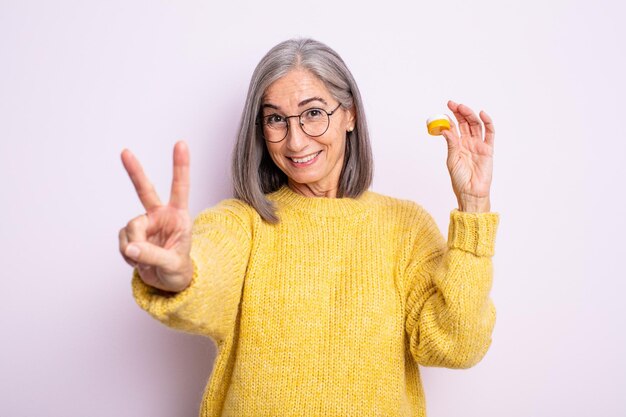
[{"x": 475, "y": 205}]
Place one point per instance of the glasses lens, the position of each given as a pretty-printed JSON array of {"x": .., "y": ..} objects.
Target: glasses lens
[
  {"x": 274, "y": 128},
  {"x": 314, "y": 122}
]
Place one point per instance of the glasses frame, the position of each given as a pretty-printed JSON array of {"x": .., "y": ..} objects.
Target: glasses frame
[{"x": 261, "y": 120}]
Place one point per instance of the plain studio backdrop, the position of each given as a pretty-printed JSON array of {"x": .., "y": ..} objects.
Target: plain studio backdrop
[{"x": 82, "y": 80}]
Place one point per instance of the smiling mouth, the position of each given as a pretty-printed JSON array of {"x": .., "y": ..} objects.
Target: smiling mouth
[{"x": 305, "y": 159}]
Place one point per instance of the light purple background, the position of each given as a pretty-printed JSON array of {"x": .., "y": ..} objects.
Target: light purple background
[{"x": 79, "y": 81}]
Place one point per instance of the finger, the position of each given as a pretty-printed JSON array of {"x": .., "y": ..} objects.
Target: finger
[
  {"x": 490, "y": 131},
  {"x": 123, "y": 242},
  {"x": 147, "y": 195},
  {"x": 463, "y": 125},
  {"x": 143, "y": 267},
  {"x": 152, "y": 255},
  {"x": 476, "y": 128},
  {"x": 137, "y": 229},
  {"x": 179, "y": 196}
]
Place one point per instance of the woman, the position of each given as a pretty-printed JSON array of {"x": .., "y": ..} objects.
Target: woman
[{"x": 322, "y": 297}]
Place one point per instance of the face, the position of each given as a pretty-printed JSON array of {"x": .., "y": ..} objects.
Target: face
[{"x": 312, "y": 164}]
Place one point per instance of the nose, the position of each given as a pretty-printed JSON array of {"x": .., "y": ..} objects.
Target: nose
[{"x": 296, "y": 139}]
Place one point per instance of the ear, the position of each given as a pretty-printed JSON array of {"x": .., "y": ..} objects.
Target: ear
[{"x": 351, "y": 119}]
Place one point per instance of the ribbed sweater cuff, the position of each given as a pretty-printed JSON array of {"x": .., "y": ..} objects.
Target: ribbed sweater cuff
[{"x": 473, "y": 232}]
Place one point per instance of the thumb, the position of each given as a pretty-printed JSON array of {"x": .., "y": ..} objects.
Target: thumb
[
  {"x": 451, "y": 140},
  {"x": 153, "y": 255}
]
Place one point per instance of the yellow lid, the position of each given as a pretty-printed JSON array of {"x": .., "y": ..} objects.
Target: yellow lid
[{"x": 437, "y": 123}]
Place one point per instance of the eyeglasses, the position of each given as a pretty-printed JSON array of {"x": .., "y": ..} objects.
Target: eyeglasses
[{"x": 314, "y": 122}]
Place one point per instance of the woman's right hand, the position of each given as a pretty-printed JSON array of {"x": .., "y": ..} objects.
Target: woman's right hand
[{"x": 158, "y": 242}]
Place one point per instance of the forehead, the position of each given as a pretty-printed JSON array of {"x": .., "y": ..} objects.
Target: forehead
[{"x": 295, "y": 86}]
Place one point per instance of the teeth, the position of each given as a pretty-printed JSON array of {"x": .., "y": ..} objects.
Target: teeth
[{"x": 305, "y": 159}]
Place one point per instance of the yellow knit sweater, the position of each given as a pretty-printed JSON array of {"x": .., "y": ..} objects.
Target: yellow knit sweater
[{"x": 330, "y": 311}]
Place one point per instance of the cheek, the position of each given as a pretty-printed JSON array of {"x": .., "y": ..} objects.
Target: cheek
[
  {"x": 275, "y": 155},
  {"x": 337, "y": 144}
]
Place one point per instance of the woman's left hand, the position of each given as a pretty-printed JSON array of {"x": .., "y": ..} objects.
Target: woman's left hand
[{"x": 470, "y": 158}]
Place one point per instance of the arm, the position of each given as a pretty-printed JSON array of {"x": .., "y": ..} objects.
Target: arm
[
  {"x": 221, "y": 241},
  {"x": 449, "y": 315}
]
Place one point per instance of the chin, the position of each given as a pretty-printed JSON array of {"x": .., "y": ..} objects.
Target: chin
[{"x": 305, "y": 179}]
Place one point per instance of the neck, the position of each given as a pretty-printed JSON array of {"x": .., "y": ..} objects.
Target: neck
[{"x": 312, "y": 190}]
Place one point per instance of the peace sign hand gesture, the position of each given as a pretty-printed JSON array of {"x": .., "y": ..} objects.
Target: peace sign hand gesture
[
  {"x": 159, "y": 241},
  {"x": 470, "y": 158}
]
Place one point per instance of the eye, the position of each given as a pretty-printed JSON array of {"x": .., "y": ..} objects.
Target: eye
[
  {"x": 314, "y": 114},
  {"x": 274, "y": 119}
]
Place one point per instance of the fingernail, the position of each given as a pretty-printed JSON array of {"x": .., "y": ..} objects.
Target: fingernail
[{"x": 132, "y": 251}]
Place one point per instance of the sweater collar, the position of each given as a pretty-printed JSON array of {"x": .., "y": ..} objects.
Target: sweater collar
[{"x": 285, "y": 197}]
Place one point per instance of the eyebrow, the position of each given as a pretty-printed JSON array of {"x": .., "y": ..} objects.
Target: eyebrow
[
  {"x": 302, "y": 103},
  {"x": 308, "y": 100}
]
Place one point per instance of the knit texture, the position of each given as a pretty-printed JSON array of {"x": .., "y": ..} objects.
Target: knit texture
[{"x": 330, "y": 311}]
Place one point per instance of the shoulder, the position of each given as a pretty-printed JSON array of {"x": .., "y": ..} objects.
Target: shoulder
[
  {"x": 401, "y": 210},
  {"x": 231, "y": 213},
  {"x": 409, "y": 223}
]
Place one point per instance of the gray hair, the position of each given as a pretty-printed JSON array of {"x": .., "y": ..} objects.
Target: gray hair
[{"x": 254, "y": 172}]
